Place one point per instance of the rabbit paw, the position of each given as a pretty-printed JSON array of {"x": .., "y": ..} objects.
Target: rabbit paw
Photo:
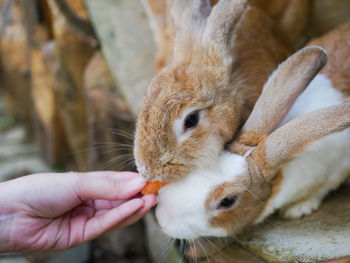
[{"x": 302, "y": 208}]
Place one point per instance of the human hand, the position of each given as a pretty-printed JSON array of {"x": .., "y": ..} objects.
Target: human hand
[{"x": 43, "y": 212}]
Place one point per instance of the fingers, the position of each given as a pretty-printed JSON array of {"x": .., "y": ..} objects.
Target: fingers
[
  {"x": 106, "y": 204},
  {"x": 150, "y": 201},
  {"x": 107, "y": 185},
  {"x": 105, "y": 221},
  {"x": 114, "y": 175}
]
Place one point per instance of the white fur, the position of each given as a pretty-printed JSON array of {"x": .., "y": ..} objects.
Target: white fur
[
  {"x": 181, "y": 210},
  {"x": 324, "y": 164}
]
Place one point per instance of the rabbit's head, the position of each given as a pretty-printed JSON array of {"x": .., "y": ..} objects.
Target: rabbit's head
[
  {"x": 193, "y": 107},
  {"x": 228, "y": 197}
]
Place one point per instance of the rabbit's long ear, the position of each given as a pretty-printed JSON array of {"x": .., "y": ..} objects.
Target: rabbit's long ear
[
  {"x": 292, "y": 138},
  {"x": 158, "y": 12},
  {"x": 189, "y": 17},
  {"x": 222, "y": 24},
  {"x": 280, "y": 92}
]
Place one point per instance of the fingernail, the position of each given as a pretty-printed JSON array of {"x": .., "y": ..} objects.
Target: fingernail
[
  {"x": 142, "y": 201},
  {"x": 138, "y": 181}
]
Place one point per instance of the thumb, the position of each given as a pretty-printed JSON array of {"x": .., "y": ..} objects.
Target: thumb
[{"x": 88, "y": 186}]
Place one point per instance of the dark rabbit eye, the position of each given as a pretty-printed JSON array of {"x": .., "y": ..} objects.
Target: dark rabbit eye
[
  {"x": 191, "y": 120},
  {"x": 227, "y": 202}
]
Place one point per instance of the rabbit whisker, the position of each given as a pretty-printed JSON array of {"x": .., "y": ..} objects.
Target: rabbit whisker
[
  {"x": 122, "y": 133},
  {"x": 114, "y": 144},
  {"x": 193, "y": 250},
  {"x": 120, "y": 157},
  {"x": 204, "y": 251}
]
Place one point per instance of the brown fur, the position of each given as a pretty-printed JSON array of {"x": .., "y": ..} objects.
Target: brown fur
[
  {"x": 158, "y": 12},
  {"x": 263, "y": 180},
  {"x": 337, "y": 43},
  {"x": 293, "y": 16},
  {"x": 252, "y": 195},
  {"x": 282, "y": 89},
  {"x": 250, "y": 138},
  {"x": 290, "y": 16},
  {"x": 283, "y": 144},
  {"x": 239, "y": 148},
  {"x": 205, "y": 80}
]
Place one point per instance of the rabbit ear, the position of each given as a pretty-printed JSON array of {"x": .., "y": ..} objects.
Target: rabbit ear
[
  {"x": 292, "y": 138},
  {"x": 222, "y": 24},
  {"x": 158, "y": 12},
  {"x": 281, "y": 90},
  {"x": 189, "y": 17}
]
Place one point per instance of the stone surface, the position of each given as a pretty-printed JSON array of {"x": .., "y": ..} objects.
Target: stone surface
[
  {"x": 75, "y": 255},
  {"x": 18, "y": 157},
  {"x": 229, "y": 253},
  {"x": 13, "y": 260},
  {"x": 127, "y": 43},
  {"x": 78, "y": 254},
  {"x": 125, "y": 245},
  {"x": 234, "y": 254},
  {"x": 323, "y": 235},
  {"x": 338, "y": 260}
]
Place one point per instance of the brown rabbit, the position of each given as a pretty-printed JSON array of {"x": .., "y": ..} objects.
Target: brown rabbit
[
  {"x": 288, "y": 169},
  {"x": 194, "y": 106},
  {"x": 290, "y": 16}
]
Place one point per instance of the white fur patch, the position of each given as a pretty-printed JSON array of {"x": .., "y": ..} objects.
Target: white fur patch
[
  {"x": 319, "y": 94},
  {"x": 181, "y": 210},
  {"x": 321, "y": 167}
]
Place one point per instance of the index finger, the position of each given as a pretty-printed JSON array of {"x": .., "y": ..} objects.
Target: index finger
[
  {"x": 107, "y": 187},
  {"x": 125, "y": 175}
]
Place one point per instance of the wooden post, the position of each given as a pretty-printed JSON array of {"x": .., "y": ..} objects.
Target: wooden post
[
  {"x": 72, "y": 53},
  {"x": 110, "y": 122},
  {"x": 14, "y": 59}
]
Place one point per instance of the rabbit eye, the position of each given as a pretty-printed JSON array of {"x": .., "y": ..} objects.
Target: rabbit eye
[
  {"x": 191, "y": 120},
  {"x": 227, "y": 202}
]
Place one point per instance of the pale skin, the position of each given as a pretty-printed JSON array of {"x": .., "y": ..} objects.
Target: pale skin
[{"x": 49, "y": 212}]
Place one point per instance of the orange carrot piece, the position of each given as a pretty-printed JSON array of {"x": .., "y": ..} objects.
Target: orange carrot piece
[{"x": 152, "y": 187}]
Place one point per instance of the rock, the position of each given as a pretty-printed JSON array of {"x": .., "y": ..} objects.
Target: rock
[
  {"x": 125, "y": 245},
  {"x": 14, "y": 135},
  {"x": 323, "y": 235},
  {"x": 18, "y": 158},
  {"x": 78, "y": 254},
  {"x": 127, "y": 43},
  {"x": 11, "y": 169},
  {"x": 217, "y": 252},
  {"x": 338, "y": 260},
  {"x": 74, "y": 255},
  {"x": 13, "y": 260}
]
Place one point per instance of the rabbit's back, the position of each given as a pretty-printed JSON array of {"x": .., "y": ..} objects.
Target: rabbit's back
[{"x": 323, "y": 165}]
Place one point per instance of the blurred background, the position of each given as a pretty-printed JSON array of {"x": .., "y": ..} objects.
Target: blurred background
[
  {"x": 60, "y": 107},
  {"x": 73, "y": 75}
]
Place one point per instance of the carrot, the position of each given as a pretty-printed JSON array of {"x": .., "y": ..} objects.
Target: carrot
[{"x": 152, "y": 187}]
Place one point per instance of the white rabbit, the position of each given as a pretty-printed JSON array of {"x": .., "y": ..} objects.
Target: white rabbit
[{"x": 288, "y": 169}]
